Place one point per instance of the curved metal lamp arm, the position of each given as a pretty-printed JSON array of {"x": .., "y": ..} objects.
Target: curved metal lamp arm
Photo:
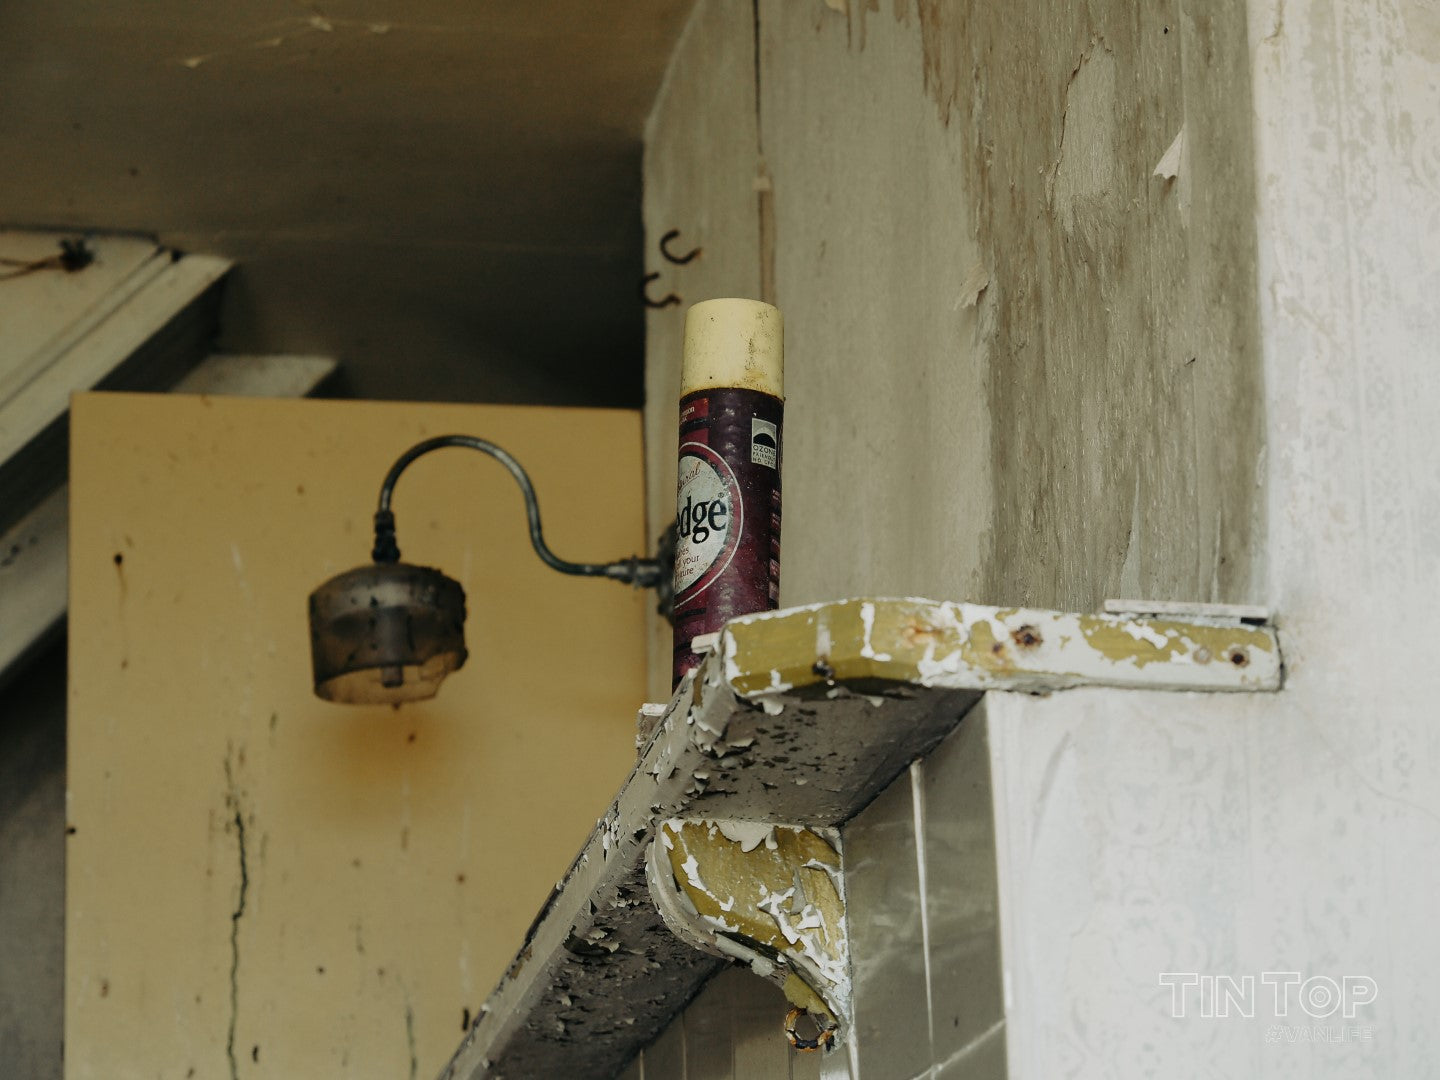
[{"x": 644, "y": 573}]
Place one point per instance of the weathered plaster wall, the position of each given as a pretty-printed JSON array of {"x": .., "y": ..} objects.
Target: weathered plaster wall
[
  {"x": 1293, "y": 462},
  {"x": 1021, "y": 367},
  {"x": 1121, "y": 365},
  {"x": 1142, "y": 833},
  {"x": 700, "y": 174},
  {"x": 886, "y": 427}
]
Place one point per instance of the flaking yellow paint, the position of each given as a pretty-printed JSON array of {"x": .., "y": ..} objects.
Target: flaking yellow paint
[
  {"x": 736, "y": 890},
  {"x": 915, "y": 640}
]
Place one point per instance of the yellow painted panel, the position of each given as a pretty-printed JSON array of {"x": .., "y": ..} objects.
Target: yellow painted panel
[{"x": 262, "y": 884}]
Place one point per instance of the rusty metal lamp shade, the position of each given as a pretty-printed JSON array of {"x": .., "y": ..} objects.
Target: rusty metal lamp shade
[
  {"x": 390, "y": 632},
  {"x": 386, "y": 634}
]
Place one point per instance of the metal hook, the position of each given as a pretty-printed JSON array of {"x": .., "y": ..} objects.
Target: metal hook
[
  {"x": 824, "y": 1034},
  {"x": 669, "y": 300},
  {"x": 678, "y": 260}
]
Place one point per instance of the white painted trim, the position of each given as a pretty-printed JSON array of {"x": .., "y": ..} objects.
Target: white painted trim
[
  {"x": 115, "y": 295},
  {"x": 85, "y": 356},
  {"x": 33, "y": 575}
]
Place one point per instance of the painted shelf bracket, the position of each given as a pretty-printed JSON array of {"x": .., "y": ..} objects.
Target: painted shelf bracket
[
  {"x": 720, "y": 846},
  {"x": 768, "y": 895}
]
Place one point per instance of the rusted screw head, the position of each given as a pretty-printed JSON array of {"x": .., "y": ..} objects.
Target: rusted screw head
[{"x": 1027, "y": 637}]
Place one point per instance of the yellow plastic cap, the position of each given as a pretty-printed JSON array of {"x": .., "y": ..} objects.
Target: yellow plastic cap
[{"x": 733, "y": 342}]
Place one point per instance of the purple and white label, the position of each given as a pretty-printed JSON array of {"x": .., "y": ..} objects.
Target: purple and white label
[
  {"x": 710, "y": 518},
  {"x": 728, "y": 555}
]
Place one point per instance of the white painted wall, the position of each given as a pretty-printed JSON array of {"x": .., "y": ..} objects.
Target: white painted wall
[
  {"x": 1145, "y": 833},
  {"x": 1347, "y": 97}
]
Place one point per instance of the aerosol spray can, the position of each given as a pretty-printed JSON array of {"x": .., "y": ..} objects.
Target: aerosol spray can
[{"x": 732, "y": 402}]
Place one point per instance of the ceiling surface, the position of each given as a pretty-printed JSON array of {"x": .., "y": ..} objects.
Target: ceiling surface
[{"x": 442, "y": 194}]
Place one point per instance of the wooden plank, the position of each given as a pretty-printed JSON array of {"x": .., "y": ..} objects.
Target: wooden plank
[
  {"x": 800, "y": 716},
  {"x": 887, "y": 471},
  {"x": 979, "y": 647},
  {"x": 140, "y": 332}
]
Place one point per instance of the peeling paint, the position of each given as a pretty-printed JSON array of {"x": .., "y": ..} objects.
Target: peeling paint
[
  {"x": 954, "y": 644},
  {"x": 1086, "y": 189},
  {"x": 690, "y": 841},
  {"x": 975, "y": 283},
  {"x": 943, "y": 49},
  {"x": 777, "y": 905},
  {"x": 867, "y": 649},
  {"x": 748, "y": 834},
  {"x": 1108, "y": 451},
  {"x": 1169, "y": 165}
]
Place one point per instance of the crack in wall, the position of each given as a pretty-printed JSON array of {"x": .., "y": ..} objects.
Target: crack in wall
[
  {"x": 410, "y": 1038},
  {"x": 232, "y": 801}
]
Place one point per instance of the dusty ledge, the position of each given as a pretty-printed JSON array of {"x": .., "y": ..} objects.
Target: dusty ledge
[{"x": 799, "y": 716}]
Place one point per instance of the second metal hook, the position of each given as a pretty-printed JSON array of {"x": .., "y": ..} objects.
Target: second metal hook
[
  {"x": 678, "y": 260},
  {"x": 668, "y": 300}
]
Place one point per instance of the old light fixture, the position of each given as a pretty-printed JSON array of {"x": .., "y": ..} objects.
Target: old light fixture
[{"x": 390, "y": 632}]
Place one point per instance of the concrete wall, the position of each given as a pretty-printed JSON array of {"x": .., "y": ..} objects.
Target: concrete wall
[
  {"x": 1152, "y": 833},
  {"x": 1291, "y": 462}
]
